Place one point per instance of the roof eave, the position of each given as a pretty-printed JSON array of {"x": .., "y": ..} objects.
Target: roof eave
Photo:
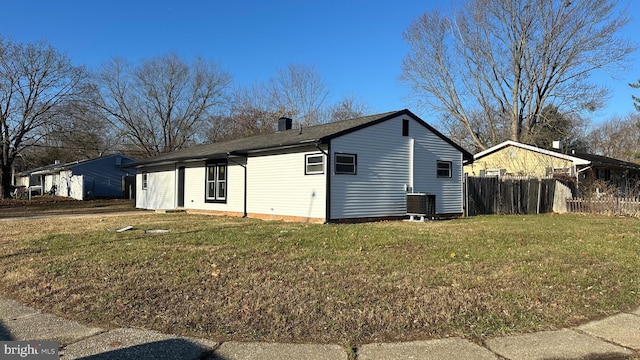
[{"x": 574, "y": 159}]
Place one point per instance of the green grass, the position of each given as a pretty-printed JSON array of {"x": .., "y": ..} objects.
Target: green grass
[{"x": 242, "y": 279}]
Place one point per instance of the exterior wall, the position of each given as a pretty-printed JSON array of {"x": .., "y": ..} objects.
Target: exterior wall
[
  {"x": 277, "y": 186},
  {"x": 70, "y": 185},
  {"x": 161, "y": 186},
  {"x": 428, "y": 150},
  {"x": 103, "y": 176},
  {"x": 194, "y": 189},
  {"x": 389, "y": 164},
  {"x": 22, "y": 181},
  {"x": 378, "y": 188},
  {"x": 518, "y": 161},
  {"x": 50, "y": 180}
]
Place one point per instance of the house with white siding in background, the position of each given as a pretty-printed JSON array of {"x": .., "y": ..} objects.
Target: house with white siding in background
[
  {"x": 359, "y": 169},
  {"x": 80, "y": 180}
]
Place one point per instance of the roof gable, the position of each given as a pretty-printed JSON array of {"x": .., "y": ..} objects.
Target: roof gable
[
  {"x": 578, "y": 158},
  {"x": 506, "y": 144}
]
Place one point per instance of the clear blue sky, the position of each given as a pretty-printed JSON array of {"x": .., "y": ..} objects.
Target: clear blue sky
[{"x": 356, "y": 45}]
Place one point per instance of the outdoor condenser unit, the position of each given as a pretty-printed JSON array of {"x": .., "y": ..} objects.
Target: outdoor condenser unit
[{"x": 421, "y": 204}]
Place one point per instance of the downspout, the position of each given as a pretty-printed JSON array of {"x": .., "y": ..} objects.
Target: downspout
[
  {"x": 411, "y": 163},
  {"x": 328, "y": 182},
  {"x": 320, "y": 149},
  {"x": 244, "y": 213}
]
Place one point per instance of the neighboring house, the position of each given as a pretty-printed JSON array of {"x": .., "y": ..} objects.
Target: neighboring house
[
  {"x": 31, "y": 181},
  {"x": 354, "y": 169},
  {"x": 85, "y": 179},
  {"x": 513, "y": 158}
]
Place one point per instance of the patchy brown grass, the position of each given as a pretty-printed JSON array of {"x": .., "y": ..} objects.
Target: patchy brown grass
[
  {"x": 241, "y": 279},
  {"x": 56, "y": 205}
]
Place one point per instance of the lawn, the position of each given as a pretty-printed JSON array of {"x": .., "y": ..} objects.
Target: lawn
[
  {"x": 57, "y": 205},
  {"x": 242, "y": 279}
]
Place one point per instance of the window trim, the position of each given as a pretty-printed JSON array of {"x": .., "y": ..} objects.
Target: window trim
[
  {"x": 336, "y": 163},
  {"x": 145, "y": 180},
  {"x": 449, "y": 165},
  {"x": 217, "y": 182},
  {"x": 307, "y": 164}
]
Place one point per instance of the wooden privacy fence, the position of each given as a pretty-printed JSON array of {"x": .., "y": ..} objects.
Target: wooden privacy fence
[
  {"x": 605, "y": 205},
  {"x": 493, "y": 195}
]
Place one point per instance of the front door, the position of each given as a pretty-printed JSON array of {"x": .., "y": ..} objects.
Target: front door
[{"x": 181, "y": 186}]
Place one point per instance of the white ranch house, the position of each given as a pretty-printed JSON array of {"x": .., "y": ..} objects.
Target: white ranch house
[{"x": 344, "y": 171}]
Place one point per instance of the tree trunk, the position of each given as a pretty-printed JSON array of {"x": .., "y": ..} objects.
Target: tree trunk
[{"x": 5, "y": 183}]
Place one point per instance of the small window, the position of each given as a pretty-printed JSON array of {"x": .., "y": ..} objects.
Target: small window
[
  {"x": 444, "y": 169},
  {"x": 144, "y": 180},
  {"x": 405, "y": 127},
  {"x": 313, "y": 164},
  {"x": 216, "y": 180},
  {"x": 345, "y": 164}
]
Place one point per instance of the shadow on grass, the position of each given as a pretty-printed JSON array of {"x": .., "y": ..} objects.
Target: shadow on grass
[
  {"x": 177, "y": 349},
  {"x": 5, "y": 334}
]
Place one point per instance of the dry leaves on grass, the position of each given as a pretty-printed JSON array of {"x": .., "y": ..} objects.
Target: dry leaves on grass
[{"x": 241, "y": 279}]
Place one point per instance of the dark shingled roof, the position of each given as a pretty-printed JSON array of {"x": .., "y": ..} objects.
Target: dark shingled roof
[
  {"x": 599, "y": 160},
  {"x": 283, "y": 139}
]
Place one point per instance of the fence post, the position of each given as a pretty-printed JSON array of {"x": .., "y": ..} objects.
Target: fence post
[
  {"x": 465, "y": 194},
  {"x": 539, "y": 195}
]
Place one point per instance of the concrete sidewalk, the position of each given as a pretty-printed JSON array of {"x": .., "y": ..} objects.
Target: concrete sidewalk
[{"x": 615, "y": 337}]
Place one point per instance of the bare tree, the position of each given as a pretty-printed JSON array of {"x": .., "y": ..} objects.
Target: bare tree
[
  {"x": 252, "y": 111},
  {"x": 505, "y": 60},
  {"x": 80, "y": 132},
  {"x": 347, "y": 108},
  {"x": 161, "y": 104},
  {"x": 617, "y": 138},
  {"x": 35, "y": 81},
  {"x": 300, "y": 92},
  {"x": 636, "y": 99}
]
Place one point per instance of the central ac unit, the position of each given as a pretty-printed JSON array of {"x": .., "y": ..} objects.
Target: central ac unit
[{"x": 421, "y": 204}]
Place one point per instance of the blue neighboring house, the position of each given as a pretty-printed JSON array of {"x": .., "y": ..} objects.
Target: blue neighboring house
[{"x": 81, "y": 180}]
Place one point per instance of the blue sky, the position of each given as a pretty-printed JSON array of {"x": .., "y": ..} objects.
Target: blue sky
[{"x": 356, "y": 45}]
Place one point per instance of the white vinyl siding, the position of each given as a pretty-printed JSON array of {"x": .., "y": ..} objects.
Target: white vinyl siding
[
  {"x": 195, "y": 187},
  {"x": 384, "y": 171},
  {"x": 377, "y": 189},
  {"x": 277, "y": 185},
  {"x": 428, "y": 150},
  {"x": 161, "y": 185}
]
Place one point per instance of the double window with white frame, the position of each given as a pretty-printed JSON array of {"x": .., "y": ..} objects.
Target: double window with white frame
[
  {"x": 216, "y": 182},
  {"x": 313, "y": 164}
]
